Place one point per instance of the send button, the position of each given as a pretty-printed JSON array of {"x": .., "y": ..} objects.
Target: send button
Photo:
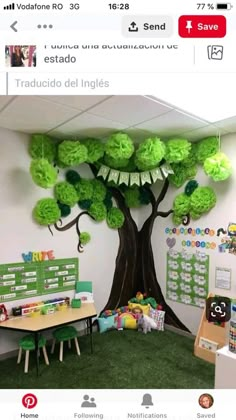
[{"x": 147, "y": 26}]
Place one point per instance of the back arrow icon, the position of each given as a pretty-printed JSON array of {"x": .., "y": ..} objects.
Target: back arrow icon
[{"x": 13, "y": 26}]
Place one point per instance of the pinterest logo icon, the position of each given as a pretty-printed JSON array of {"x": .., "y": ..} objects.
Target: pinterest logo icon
[{"x": 29, "y": 401}]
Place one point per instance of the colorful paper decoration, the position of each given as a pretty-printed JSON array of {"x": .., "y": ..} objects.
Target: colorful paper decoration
[
  {"x": 135, "y": 178},
  {"x": 190, "y": 231},
  {"x": 38, "y": 256}
]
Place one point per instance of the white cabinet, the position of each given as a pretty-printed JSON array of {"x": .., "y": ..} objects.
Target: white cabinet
[{"x": 225, "y": 369}]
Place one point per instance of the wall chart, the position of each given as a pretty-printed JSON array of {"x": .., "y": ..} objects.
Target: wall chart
[
  {"x": 28, "y": 279},
  {"x": 187, "y": 277}
]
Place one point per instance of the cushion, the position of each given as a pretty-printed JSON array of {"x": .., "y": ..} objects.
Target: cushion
[
  {"x": 106, "y": 324},
  {"x": 159, "y": 318},
  {"x": 142, "y": 308},
  {"x": 128, "y": 320}
]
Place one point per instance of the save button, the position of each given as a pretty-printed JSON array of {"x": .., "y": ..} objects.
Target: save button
[{"x": 195, "y": 26}]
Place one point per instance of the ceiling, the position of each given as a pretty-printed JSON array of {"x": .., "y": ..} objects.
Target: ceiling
[{"x": 98, "y": 116}]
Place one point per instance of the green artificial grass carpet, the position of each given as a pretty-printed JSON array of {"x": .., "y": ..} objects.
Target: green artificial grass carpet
[{"x": 121, "y": 359}]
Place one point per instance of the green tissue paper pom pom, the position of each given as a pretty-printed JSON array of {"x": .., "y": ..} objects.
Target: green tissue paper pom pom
[
  {"x": 115, "y": 163},
  {"x": 72, "y": 177},
  {"x": 202, "y": 200},
  {"x": 181, "y": 205},
  {"x": 179, "y": 176},
  {"x": 191, "y": 159},
  {"x": 46, "y": 211},
  {"x": 66, "y": 193},
  {"x": 85, "y": 204},
  {"x": 190, "y": 171},
  {"x": 99, "y": 190},
  {"x": 65, "y": 210},
  {"x": 207, "y": 148},
  {"x": 115, "y": 218},
  {"x": 72, "y": 153},
  {"x": 95, "y": 150},
  {"x": 218, "y": 167},
  {"x": 190, "y": 187},
  {"x": 119, "y": 146},
  {"x": 42, "y": 146},
  {"x": 177, "y": 150},
  {"x": 131, "y": 165},
  {"x": 85, "y": 238},
  {"x": 43, "y": 173},
  {"x": 84, "y": 189},
  {"x": 132, "y": 197},
  {"x": 98, "y": 211},
  {"x": 177, "y": 220},
  {"x": 194, "y": 215},
  {"x": 108, "y": 203},
  {"x": 150, "y": 153}
]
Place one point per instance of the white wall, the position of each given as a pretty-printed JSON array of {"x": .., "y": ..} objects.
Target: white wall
[
  {"x": 19, "y": 233},
  {"x": 220, "y": 215}
]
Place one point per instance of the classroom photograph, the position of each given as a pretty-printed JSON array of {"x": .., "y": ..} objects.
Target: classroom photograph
[{"x": 118, "y": 241}]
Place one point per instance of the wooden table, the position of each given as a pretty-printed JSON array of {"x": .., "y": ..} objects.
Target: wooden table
[{"x": 35, "y": 325}]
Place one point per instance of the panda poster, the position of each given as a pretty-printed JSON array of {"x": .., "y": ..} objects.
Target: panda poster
[{"x": 187, "y": 277}]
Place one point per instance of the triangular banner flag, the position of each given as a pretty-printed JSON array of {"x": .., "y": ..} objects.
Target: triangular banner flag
[
  {"x": 156, "y": 174},
  {"x": 113, "y": 175},
  {"x": 103, "y": 171},
  {"x": 166, "y": 170},
  {"x": 135, "y": 178},
  {"x": 145, "y": 178},
  {"x": 124, "y": 178}
]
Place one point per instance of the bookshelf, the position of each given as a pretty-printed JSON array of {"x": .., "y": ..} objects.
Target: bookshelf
[{"x": 209, "y": 331}]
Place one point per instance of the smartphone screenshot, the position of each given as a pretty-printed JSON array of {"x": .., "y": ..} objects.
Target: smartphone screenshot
[{"x": 117, "y": 214}]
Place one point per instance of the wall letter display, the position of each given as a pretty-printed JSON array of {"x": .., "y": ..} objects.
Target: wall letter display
[
  {"x": 187, "y": 277},
  {"x": 23, "y": 280}
]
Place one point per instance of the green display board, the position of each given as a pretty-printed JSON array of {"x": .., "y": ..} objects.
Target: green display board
[
  {"x": 187, "y": 277},
  {"x": 24, "y": 280}
]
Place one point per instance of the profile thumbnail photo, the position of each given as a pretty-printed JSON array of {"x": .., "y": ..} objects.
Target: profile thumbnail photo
[{"x": 20, "y": 56}]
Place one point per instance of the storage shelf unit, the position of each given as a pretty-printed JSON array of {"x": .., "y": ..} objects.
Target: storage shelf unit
[{"x": 211, "y": 332}]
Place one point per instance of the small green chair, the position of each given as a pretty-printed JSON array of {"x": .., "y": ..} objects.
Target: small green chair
[
  {"x": 62, "y": 334},
  {"x": 27, "y": 343}
]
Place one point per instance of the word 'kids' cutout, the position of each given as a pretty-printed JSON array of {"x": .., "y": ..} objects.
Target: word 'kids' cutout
[
  {"x": 38, "y": 256},
  {"x": 190, "y": 231}
]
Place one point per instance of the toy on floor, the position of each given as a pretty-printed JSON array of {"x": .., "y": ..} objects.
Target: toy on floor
[
  {"x": 142, "y": 299},
  {"x": 146, "y": 324}
]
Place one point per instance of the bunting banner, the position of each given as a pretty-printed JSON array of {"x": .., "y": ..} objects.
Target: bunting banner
[{"x": 135, "y": 178}]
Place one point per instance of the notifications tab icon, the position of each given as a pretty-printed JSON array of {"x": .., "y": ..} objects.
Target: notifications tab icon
[{"x": 195, "y": 26}]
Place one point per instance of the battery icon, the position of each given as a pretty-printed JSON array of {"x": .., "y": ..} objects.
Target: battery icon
[{"x": 224, "y": 6}]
